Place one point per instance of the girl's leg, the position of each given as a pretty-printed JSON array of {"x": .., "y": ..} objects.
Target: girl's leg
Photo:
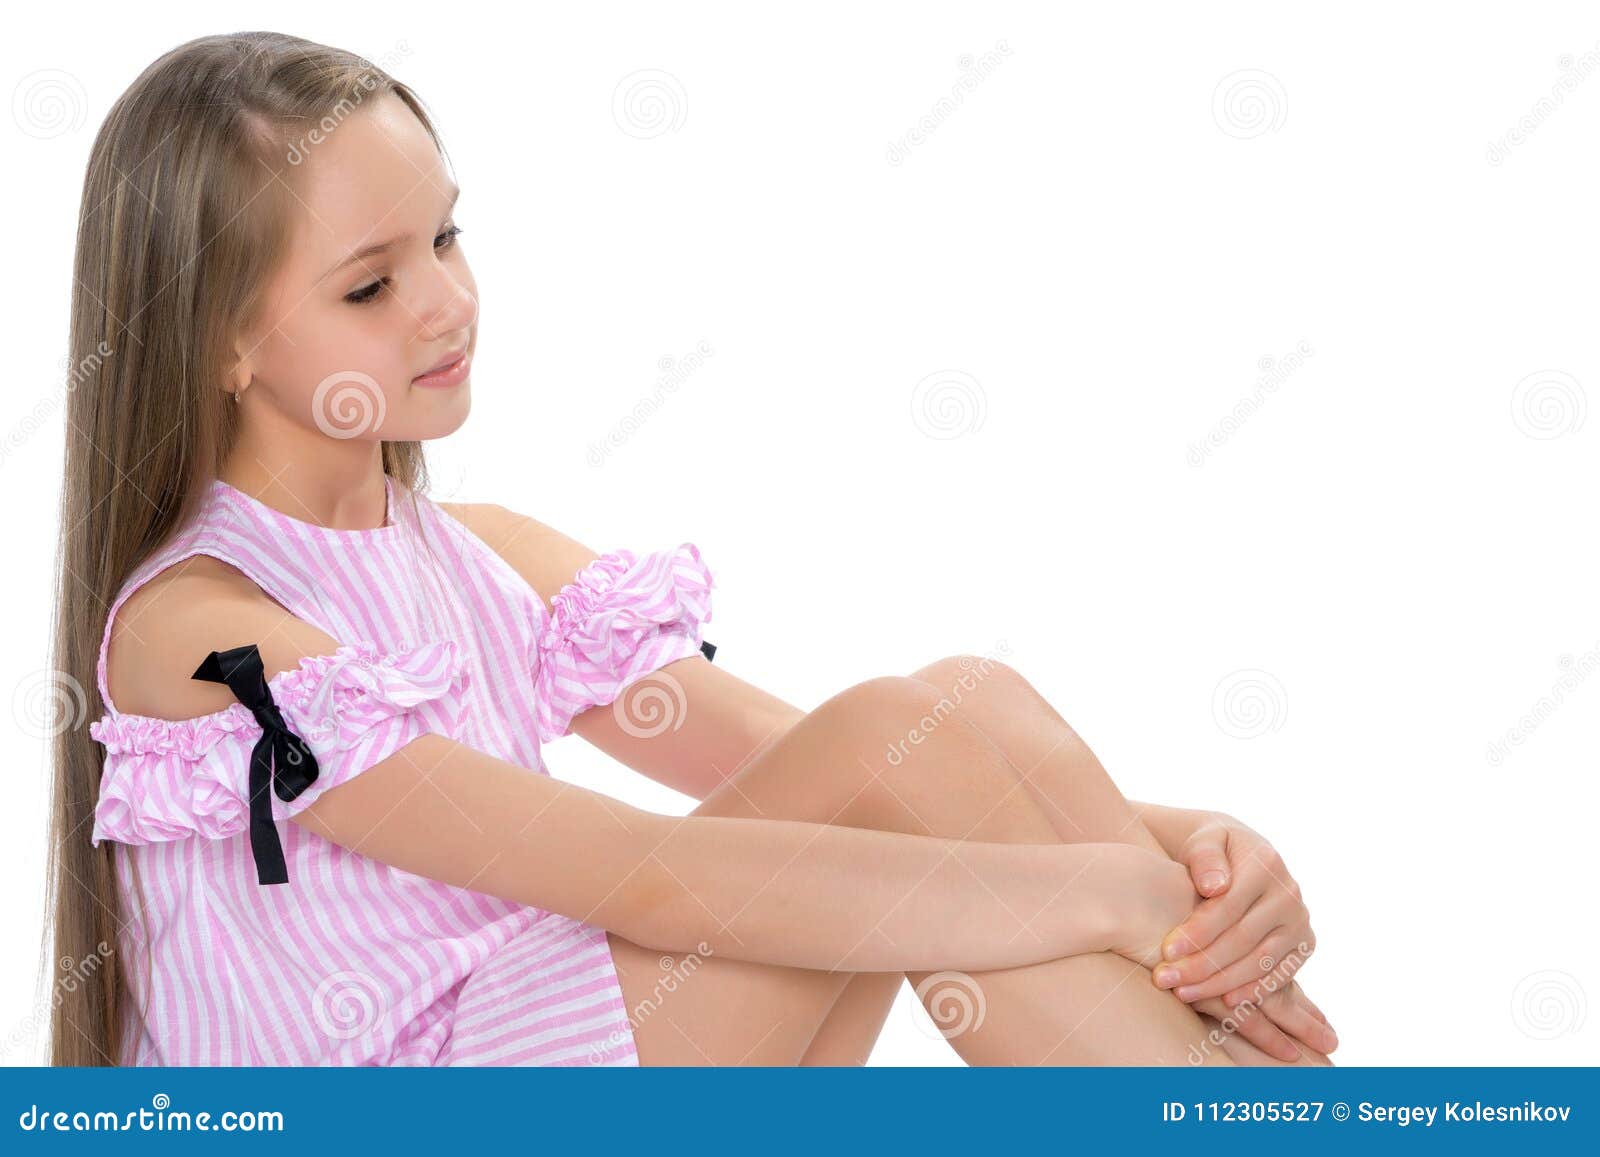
[
  {"x": 855, "y": 1021},
  {"x": 1056, "y": 765},
  {"x": 1097, "y": 1008},
  {"x": 1077, "y": 796}
]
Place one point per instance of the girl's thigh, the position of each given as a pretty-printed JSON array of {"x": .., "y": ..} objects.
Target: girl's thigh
[
  {"x": 700, "y": 1009},
  {"x": 695, "y": 1009}
]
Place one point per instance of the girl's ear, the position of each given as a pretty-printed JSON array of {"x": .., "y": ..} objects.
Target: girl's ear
[{"x": 241, "y": 373}]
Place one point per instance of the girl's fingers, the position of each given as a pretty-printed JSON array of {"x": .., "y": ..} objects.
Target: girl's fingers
[
  {"x": 1210, "y": 919},
  {"x": 1206, "y": 855},
  {"x": 1232, "y": 945},
  {"x": 1254, "y": 994},
  {"x": 1254, "y": 1026},
  {"x": 1293, "y": 1014},
  {"x": 1315, "y": 1011},
  {"x": 1256, "y": 964}
]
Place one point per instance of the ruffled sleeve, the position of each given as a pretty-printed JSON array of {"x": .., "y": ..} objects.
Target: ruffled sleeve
[
  {"x": 168, "y": 779},
  {"x": 622, "y": 617}
]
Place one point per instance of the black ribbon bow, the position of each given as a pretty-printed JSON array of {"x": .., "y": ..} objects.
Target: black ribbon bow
[{"x": 278, "y": 748}]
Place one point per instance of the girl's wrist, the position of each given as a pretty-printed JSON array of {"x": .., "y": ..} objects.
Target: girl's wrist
[
  {"x": 1071, "y": 895},
  {"x": 1171, "y": 826},
  {"x": 1145, "y": 895},
  {"x": 1121, "y": 882}
]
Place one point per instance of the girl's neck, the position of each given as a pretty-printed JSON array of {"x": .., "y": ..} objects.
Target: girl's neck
[{"x": 338, "y": 495}]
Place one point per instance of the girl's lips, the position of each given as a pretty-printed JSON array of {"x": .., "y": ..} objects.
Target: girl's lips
[{"x": 451, "y": 375}]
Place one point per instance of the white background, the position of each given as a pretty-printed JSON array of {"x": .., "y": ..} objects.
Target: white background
[{"x": 1320, "y": 626}]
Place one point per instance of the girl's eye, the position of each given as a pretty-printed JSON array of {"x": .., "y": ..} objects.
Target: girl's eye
[
  {"x": 370, "y": 292},
  {"x": 365, "y": 293}
]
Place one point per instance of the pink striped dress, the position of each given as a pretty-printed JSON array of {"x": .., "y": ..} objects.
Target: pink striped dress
[{"x": 350, "y": 961}]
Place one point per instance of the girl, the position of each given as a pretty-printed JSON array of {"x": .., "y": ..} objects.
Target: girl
[{"x": 312, "y": 823}]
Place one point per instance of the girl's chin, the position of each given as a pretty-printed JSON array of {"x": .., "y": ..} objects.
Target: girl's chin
[{"x": 447, "y": 422}]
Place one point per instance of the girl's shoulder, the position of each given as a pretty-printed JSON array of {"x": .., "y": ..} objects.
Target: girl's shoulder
[
  {"x": 182, "y": 749},
  {"x": 545, "y": 558},
  {"x": 151, "y": 651}
]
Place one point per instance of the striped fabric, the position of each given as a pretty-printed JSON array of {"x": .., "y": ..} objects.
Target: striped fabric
[{"x": 353, "y": 962}]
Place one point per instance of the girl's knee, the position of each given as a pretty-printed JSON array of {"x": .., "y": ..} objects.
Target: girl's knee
[
  {"x": 969, "y": 679},
  {"x": 953, "y": 669},
  {"x": 916, "y": 757},
  {"x": 893, "y": 719},
  {"x": 989, "y": 692},
  {"x": 900, "y": 759},
  {"x": 872, "y": 699}
]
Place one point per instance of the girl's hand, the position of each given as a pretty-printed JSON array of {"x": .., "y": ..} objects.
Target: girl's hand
[
  {"x": 1147, "y": 893},
  {"x": 1251, "y": 924},
  {"x": 1275, "y": 1021}
]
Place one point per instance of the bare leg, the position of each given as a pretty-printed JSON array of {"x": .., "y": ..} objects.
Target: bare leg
[
  {"x": 855, "y": 1021},
  {"x": 1077, "y": 796},
  {"x": 1093, "y": 1009}
]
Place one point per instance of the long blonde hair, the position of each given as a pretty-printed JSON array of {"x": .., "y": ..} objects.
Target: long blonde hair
[{"x": 185, "y": 216}]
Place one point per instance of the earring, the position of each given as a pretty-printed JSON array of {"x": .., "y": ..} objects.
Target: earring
[{"x": 236, "y": 394}]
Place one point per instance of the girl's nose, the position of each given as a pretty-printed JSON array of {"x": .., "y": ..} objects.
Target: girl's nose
[{"x": 457, "y": 311}]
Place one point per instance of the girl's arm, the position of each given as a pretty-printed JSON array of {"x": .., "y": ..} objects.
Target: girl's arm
[
  {"x": 779, "y": 892},
  {"x": 725, "y": 724},
  {"x": 770, "y": 891}
]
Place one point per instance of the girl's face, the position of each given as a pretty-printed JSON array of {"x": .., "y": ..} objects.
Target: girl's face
[{"x": 375, "y": 291}]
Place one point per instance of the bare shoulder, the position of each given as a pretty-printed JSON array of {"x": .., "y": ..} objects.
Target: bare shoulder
[
  {"x": 173, "y": 621},
  {"x": 542, "y": 555}
]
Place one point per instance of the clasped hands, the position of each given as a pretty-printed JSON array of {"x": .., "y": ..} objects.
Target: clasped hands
[{"x": 1235, "y": 956}]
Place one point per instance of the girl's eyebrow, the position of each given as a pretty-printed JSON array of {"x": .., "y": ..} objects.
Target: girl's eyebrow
[{"x": 382, "y": 246}]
